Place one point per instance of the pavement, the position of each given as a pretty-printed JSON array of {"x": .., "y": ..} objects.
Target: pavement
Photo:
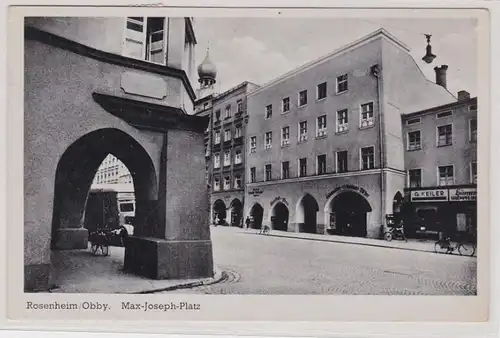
[
  {"x": 78, "y": 271},
  {"x": 281, "y": 265},
  {"x": 423, "y": 245}
]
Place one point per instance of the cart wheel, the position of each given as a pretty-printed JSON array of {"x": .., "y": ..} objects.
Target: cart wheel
[
  {"x": 388, "y": 236},
  {"x": 466, "y": 249},
  {"x": 441, "y": 247}
]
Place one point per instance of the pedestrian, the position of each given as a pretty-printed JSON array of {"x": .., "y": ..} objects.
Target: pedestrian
[{"x": 247, "y": 222}]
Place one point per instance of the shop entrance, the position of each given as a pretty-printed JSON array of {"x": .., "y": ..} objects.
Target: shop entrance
[
  {"x": 307, "y": 211},
  {"x": 236, "y": 212},
  {"x": 256, "y": 214},
  {"x": 219, "y": 212},
  {"x": 279, "y": 217},
  {"x": 350, "y": 210}
]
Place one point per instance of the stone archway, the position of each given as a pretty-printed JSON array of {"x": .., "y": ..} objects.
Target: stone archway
[
  {"x": 279, "y": 217},
  {"x": 348, "y": 214},
  {"x": 256, "y": 215},
  {"x": 306, "y": 214},
  {"x": 74, "y": 175},
  {"x": 219, "y": 212},
  {"x": 236, "y": 209}
]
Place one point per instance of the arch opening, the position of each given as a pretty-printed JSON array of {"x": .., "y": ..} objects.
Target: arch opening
[
  {"x": 75, "y": 174},
  {"x": 307, "y": 211},
  {"x": 279, "y": 217},
  {"x": 236, "y": 208},
  {"x": 256, "y": 215},
  {"x": 397, "y": 207},
  {"x": 348, "y": 214},
  {"x": 219, "y": 212}
]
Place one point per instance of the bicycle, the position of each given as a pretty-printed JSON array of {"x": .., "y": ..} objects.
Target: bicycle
[
  {"x": 99, "y": 240},
  {"x": 395, "y": 233},
  {"x": 445, "y": 246}
]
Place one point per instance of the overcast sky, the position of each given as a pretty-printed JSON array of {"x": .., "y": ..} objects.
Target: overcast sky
[{"x": 260, "y": 49}]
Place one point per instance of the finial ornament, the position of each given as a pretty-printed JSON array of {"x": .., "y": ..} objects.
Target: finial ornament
[{"x": 428, "y": 57}]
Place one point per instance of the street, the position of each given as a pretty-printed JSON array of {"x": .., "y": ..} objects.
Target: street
[{"x": 260, "y": 264}]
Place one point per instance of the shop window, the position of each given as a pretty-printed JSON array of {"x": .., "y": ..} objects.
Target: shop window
[{"x": 427, "y": 219}]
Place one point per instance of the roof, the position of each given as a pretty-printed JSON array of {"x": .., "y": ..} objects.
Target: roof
[
  {"x": 233, "y": 89},
  {"x": 380, "y": 33},
  {"x": 440, "y": 107}
]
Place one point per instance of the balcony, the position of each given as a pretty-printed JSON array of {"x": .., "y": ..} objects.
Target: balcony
[{"x": 227, "y": 143}]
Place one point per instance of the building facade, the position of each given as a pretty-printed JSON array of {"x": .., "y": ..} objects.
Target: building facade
[
  {"x": 325, "y": 142},
  {"x": 112, "y": 171},
  {"x": 441, "y": 164}
]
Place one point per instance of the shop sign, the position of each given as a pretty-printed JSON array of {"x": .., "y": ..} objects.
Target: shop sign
[
  {"x": 348, "y": 187},
  {"x": 255, "y": 192},
  {"x": 463, "y": 194},
  {"x": 282, "y": 199},
  {"x": 434, "y": 195}
]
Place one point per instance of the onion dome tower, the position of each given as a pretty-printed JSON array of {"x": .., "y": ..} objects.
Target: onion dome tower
[{"x": 207, "y": 73}]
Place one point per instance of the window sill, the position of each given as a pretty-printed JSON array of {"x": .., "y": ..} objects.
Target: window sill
[
  {"x": 285, "y": 112},
  {"x": 444, "y": 145},
  {"x": 318, "y": 137},
  {"x": 366, "y": 127},
  {"x": 321, "y": 99},
  {"x": 303, "y": 141},
  {"x": 414, "y": 149},
  {"x": 341, "y": 132},
  {"x": 285, "y": 145},
  {"x": 343, "y": 92},
  {"x": 303, "y": 106}
]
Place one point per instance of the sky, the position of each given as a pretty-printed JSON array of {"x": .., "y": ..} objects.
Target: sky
[{"x": 261, "y": 49}]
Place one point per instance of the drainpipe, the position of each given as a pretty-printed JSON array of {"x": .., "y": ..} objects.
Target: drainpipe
[{"x": 376, "y": 72}]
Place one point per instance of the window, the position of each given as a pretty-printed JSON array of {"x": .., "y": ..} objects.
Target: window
[
  {"x": 207, "y": 151},
  {"x": 145, "y": 39},
  {"x": 342, "y": 161},
  {"x": 367, "y": 158},
  {"x": 303, "y": 167},
  {"x": 217, "y": 161},
  {"x": 227, "y": 158},
  {"x": 341, "y": 83},
  {"x": 303, "y": 98},
  {"x": 473, "y": 172},
  {"x": 227, "y": 135},
  {"x": 237, "y": 182},
  {"x": 321, "y": 164},
  {"x": 227, "y": 111},
  {"x": 413, "y": 121},
  {"x": 252, "y": 175},
  {"x": 227, "y": 183},
  {"x": 342, "y": 122},
  {"x": 238, "y": 132},
  {"x": 415, "y": 178},
  {"x": 239, "y": 106},
  {"x": 205, "y": 105},
  {"x": 444, "y": 114},
  {"x": 269, "y": 140},
  {"x": 285, "y": 136},
  {"x": 303, "y": 131},
  {"x": 321, "y": 126},
  {"x": 285, "y": 170},
  {"x": 217, "y": 137},
  {"x": 414, "y": 140},
  {"x": 269, "y": 111},
  {"x": 444, "y": 135},
  {"x": 285, "y": 105},
  {"x": 268, "y": 172},
  {"x": 216, "y": 184},
  {"x": 321, "y": 91},
  {"x": 367, "y": 115},
  {"x": 445, "y": 175},
  {"x": 237, "y": 157},
  {"x": 473, "y": 130},
  {"x": 217, "y": 115},
  {"x": 253, "y": 144},
  {"x": 473, "y": 107}
]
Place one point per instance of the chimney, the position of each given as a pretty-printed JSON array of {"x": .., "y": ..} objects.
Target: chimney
[
  {"x": 441, "y": 75},
  {"x": 463, "y": 95}
]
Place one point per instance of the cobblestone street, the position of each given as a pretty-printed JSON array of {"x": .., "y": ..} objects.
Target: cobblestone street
[{"x": 259, "y": 264}]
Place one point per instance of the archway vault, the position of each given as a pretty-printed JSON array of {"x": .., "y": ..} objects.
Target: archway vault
[
  {"x": 346, "y": 213},
  {"x": 74, "y": 175}
]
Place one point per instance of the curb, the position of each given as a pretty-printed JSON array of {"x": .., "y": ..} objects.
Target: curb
[
  {"x": 218, "y": 276},
  {"x": 352, "y": 243}
]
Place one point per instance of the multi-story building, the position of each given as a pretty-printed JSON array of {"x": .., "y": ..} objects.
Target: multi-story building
[
  {"x": 325, "y": 142},
  {"x": 224, "y": 144},
  {"x": 441, "y": 164},
  {"x": 112, "y": 171}
]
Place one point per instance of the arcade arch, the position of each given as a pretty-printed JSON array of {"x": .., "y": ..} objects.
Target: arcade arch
[
  {"x": 347, "y": 214},
  {"x": 219, "y": 212},
  {"x": 279, "y": 217},
  {"x": 236, "y": 208},
  {"x": 256, "y": 215},
  {"x": 306, "y": 214}
]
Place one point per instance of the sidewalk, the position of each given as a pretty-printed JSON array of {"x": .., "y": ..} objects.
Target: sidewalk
[
  {"x": 412, "y": 244},
  {"x": 78, "y": 271}
]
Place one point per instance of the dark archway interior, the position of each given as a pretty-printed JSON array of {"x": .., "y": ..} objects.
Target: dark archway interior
[
  {"x": 76, "y": 170},
  {"x": 279, "y": 218},
  {"x": 311, "y": 208},
  {"x": 350, "y": 210},
  {"x": 219, "y": 212},
  {"x": 256, "y": 215},
  {"x": 236, "y": 213},
  {"x": 397, "y": 203}
]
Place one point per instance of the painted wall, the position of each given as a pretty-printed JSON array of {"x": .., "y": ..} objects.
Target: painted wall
[
  {"x": 461, "y": 153},
  {"x": 362, "y": 89}
]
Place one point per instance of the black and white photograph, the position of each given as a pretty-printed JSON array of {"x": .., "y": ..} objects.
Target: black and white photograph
[{"x": 251, "y": 155}]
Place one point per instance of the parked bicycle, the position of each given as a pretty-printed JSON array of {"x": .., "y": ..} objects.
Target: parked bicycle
[
  {"x": 99, "y": 241},
  {"x": 395, "y": 233},
  {"x": 445, "y": 246}
]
